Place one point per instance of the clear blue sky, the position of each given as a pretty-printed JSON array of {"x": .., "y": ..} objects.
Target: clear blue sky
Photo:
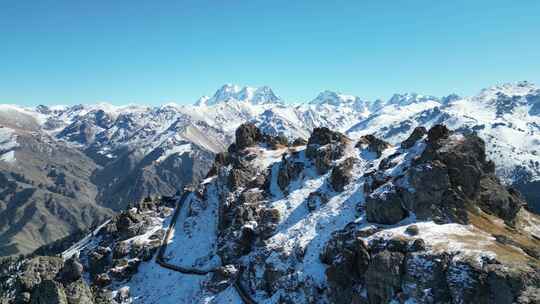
[{"x": 151, "y": 52}]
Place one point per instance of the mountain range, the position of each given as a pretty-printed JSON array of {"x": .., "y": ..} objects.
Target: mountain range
[
  {"x": 329, "y": 219},
  {"x": 65, "y": 169}
]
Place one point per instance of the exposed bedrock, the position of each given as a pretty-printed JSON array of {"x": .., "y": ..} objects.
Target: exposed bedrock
[
  {"x": 372, "y": 144},
  {"x": 401, "y": 269},
  {"x": 325, "y": 146},
  {"x": 450, "y": 176}
]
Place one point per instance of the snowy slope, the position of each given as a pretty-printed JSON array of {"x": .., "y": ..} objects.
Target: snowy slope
[{"x": 504, "y": 116}]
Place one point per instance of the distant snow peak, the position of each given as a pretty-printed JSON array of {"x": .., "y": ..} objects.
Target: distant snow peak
[
  {"x": 450, "y": 98},
  {"x": 521, "y": 88},
  {"x": 333, "y": 98},
  {"x": 410, "y": 98},
  {"x": 202, "y": 101},
  {"x": 236, "y": 93}
]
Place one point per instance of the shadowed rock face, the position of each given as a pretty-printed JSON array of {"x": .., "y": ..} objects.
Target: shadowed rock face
[
  {"x": 383, "y": 276},
  {"x": 247, "y": 135},
  {"x": 244, "y": 190},
  {"x": 529, "y": 190},
  {"x": 372, "y": 144},
  {"x": 342, "y": 174},
  {"x": 387, "y": 209},
  {"x": 417, "y": 133},
  {"x": 348, "y": 259},
  {"x": 324, "y": 146},
  {"x": 49, "y": 292},
  {"x": 324, "y": 136}
]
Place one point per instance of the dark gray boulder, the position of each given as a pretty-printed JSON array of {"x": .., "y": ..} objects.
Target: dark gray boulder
[
  {"x": 289, "y": 170},
  {"x": 315, "y": 200},
  {"x": 438, "y": 132},
  {"x": 499, "y": 200},
  {"x": 385, "y": 207},
  {"x": 412, "y": 230},
  {"x": 325, "y": 146},
  {"x": 372, "y": 144},
  {"x": 247, "y": 135},
  {"x": 430, "y": 181},
  {"x": 238, "y": 178},
  {"x": 222, "y": 278},
  {"x": 424, "y": 277},
  {"x": 348, "y": 258},
  {"x": 342, "y": 174},
  {"x": 99, "y": 260},
  {"x": 383, "y": 276},
  {"x": 121, "y": 249},
  {"x": 322, "y": 157},
  {"x": 416, "y": 135},
  {"x": 102, "y": 280},
  {"x": 323, "y": 136}
]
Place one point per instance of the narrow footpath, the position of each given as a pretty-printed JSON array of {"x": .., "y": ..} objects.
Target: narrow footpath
[{"x": 242, "y": 292}]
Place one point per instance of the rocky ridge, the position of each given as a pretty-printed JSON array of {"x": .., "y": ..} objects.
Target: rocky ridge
[{"x": 325, "y": 222}]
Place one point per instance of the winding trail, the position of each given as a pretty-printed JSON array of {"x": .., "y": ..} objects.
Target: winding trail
[{"x": 240, "y": 289}]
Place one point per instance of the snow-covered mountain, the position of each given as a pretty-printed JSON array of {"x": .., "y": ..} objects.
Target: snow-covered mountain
[
  {"x": 333, "y": 220},
  {"x": 506, "y": 117},
  {"x": 139, "y": 151},
  {"x": 235, "y": 93}
]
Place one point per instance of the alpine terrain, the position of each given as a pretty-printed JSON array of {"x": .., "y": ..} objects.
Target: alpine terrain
[
  {"x": 64, "y": 169},
  {"x": 327, "y": 220}
]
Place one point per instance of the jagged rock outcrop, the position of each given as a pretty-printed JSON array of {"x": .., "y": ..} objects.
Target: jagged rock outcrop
[
  {"x": 222, "y": 278},
  {"x": 401, "y": 269},
  {"x": 288, "y": 170},
  {"x": 372, "y": 144},
  {"x": 416, "y": 135},
  {"x": 324, "y": 146},
  {"x": 445, "y": 180},
  {"x": 383, "y": 276},
  {"x": 36, "y": 270},
  {"x": 315, "y": 200},
  {"x": 348, "y": 258},
  {"x": 244, "y": 218},
  {"x": 247, "y": 135},
  {"x": 385, "y": 207},
  {"x": 78, "y": 292},
  {"x": 342, "y": 174}
]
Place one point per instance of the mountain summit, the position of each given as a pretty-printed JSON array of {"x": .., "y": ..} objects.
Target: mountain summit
[
  {"x": 410, "y": 98},
  {"x": 232, "y": 93},
  {"x": 333, "y": 98}
]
